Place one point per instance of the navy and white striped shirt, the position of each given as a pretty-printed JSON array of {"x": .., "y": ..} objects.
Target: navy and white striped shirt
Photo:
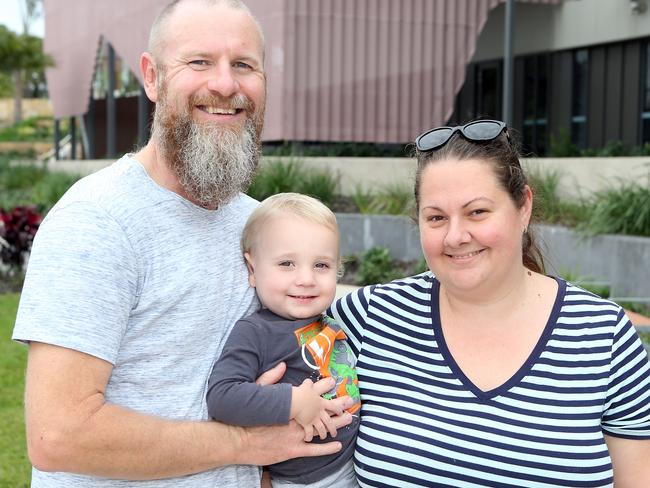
[{"x": 423, "y": 423}]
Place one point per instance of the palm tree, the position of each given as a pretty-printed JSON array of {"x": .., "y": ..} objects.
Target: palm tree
[
  {"x": 21, "y": 54},
  {"x": 30, "y": 10}
]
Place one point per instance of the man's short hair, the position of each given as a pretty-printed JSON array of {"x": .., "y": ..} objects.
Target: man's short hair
[
  {"x": 282, "y": 204},
  {"x": 157, "y": 32}
]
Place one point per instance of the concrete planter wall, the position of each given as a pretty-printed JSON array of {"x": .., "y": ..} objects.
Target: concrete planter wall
[
  {"x": 579, "y": 176},
  {"x": 621, "y": 261}
]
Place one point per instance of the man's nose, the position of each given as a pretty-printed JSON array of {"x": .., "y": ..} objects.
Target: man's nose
[{"x": 223, "y": 81}]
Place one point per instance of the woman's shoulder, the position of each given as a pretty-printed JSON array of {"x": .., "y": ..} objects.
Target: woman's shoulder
[
  {"x": 410, "y": 290},
  {"x": 582, "y": 305},
  {"x": 575, "y": 293}
]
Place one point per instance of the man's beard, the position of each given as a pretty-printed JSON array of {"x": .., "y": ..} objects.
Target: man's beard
[{"x": 213, "y": 162}]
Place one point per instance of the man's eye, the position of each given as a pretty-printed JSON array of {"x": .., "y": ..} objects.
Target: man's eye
[
  {"x": 199, "y": 63},
  {"x": 241, "y": 65}
]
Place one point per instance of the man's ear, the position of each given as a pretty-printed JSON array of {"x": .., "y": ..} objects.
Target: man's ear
[
  {"x": 251, "y": 270},
  {"x": 149, "y": 72}
]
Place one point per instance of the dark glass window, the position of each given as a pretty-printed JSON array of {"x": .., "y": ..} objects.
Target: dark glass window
[
  {"x": 488, "y": 90},
  {"x": 645, "y": 113},
  {"x": 579, "y": 98},
  {"x": 535, "y": 100}
]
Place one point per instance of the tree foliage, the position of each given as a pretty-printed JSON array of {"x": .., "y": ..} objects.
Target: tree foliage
[
  {"x": 20, "y": 56},
  {"x": 21, "y": 52}
]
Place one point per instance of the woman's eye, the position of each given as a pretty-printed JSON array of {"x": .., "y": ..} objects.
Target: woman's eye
[
  {"x": 478, "y": 211},
  {"x": 434, "y": 218}
]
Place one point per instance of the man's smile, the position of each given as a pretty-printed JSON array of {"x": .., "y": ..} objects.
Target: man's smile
[{"x": 218, "y": 110}]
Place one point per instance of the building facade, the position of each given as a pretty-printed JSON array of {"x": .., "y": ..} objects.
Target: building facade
[
  {"x": 581, "y": 75},
  {"x": 382, "y": 71}
]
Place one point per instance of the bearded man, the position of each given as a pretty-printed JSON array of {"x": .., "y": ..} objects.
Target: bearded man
[{"x": 136, "y": 278}]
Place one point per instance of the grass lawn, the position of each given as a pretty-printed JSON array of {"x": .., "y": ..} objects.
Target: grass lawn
[{"x": 15, "y": 470}]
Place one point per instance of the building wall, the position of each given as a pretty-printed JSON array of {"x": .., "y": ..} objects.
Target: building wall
[
  {"x": 614, "y": 94},
  {"x": 365, "y": 70},
  {"x": 569, "y": 25},
  {"x": 126, "y": 135}
]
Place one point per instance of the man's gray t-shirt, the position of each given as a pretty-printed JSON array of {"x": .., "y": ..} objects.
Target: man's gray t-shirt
[{"x": 129, "y": 272}]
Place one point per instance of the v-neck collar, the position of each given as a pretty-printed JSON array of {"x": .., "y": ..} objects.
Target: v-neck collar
[{"x": 523, "y": 370}]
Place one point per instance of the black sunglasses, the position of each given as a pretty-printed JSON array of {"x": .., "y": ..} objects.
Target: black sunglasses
[{"x": 477, "y": 131}]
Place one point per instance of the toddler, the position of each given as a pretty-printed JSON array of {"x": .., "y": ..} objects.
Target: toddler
[{"x": 291, "y": 247}]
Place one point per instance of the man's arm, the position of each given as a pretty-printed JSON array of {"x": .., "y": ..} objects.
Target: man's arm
[
  {"x": 630, "y": 461},
  {"x": 71, "y": 427}
]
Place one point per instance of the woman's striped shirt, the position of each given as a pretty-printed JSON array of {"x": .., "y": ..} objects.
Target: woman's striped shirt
[{"x": 423, "y": 423}]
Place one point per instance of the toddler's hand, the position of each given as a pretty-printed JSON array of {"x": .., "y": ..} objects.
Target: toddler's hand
[{"x": 312, "y": 411}]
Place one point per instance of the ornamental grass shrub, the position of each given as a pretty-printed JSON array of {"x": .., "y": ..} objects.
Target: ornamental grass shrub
[
  {"x": 620, "y": 209},
  {"x": 280, "y": 177}
]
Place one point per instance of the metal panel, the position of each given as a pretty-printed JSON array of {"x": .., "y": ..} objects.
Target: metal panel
[
  {"x": 72, "y": 33},
  {"x": 413, "y": 55},
  {"x": 596, "y": 97},
  {"x": 613, "y": 94},
  {"x": 630, "y": 98},
  {"x": 518, "y": 98},
  {"x": 560, "y": 93}
]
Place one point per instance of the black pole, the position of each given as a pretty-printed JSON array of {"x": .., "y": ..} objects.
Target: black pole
[
  {"x": 111, "y": 125},
  {"x": 142, "y": 117},
  {"x": 73, "y": 138},
  {"x": 57, "y": 138},
  {"x": 507, "y": 62},
  {"x": 90, "y": 128}
]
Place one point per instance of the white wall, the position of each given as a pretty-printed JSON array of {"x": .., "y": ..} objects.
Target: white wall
[
  {"x": 578, "y": 176},
  {"x": 571, "y": 24}
]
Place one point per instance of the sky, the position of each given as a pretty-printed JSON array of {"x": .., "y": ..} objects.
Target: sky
[{"x": 10, "y": 16}]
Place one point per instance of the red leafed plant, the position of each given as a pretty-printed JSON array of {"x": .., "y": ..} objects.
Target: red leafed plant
[{"x": 17, "y": 230}]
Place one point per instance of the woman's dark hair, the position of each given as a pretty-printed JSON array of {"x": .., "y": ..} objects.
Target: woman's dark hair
[{"x": 502, "y": 154}]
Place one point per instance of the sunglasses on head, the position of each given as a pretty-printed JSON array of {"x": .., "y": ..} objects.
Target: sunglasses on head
[{"x": 477, "y": 131}]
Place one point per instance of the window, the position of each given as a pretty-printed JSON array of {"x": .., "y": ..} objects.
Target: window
[
  {"x": 126, "y": 84},
  {"x": 488, "y": 90},
  {"x": 579, "y": 98},
  {"x": 535, "y": 103},
  {"x": 645, "y": 95}
]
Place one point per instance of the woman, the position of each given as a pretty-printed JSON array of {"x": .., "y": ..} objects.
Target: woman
[{"x": 485, "y": 371}]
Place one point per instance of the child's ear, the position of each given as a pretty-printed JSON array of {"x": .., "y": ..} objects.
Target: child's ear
[{"x": 251, "y": 270}]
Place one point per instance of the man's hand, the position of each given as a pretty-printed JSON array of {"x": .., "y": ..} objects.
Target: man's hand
[{"x": 273, "y": 444}]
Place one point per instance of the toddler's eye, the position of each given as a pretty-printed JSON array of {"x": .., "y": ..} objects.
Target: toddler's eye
[
  {"x": 322, "y": 265},
  {"x": 286, "y": 263}
]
